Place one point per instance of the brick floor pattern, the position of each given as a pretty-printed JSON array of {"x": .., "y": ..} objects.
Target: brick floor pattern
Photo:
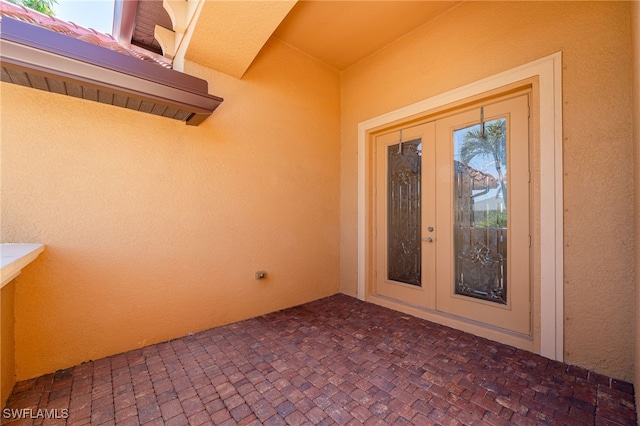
[{"x": 332, "y": 361}]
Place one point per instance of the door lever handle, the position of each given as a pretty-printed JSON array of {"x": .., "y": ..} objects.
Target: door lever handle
[{"x": 429, "y": 239}]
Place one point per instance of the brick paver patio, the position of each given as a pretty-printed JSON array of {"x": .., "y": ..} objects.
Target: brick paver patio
[{"x": 331, "y": 361}]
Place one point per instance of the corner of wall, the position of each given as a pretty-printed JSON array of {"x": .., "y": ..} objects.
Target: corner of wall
[
  {"x": 635, "y": 43},
  {"x": 7, "y": 347}
]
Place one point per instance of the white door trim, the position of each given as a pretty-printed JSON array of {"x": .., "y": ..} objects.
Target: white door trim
[{"x": 549, "y": 73}]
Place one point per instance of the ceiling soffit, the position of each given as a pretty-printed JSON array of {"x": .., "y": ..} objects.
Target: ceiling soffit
[
  {"x": 341, "y": 33},
  {"x": 229, "y": 34}
]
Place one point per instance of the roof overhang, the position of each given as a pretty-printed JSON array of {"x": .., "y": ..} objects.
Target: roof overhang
[
  {"x": 224, "y": 36},
  {"x": 36, "y": 57}
]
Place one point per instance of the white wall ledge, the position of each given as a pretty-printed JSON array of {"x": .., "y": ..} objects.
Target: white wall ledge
[{"x": 15, "y": 257}]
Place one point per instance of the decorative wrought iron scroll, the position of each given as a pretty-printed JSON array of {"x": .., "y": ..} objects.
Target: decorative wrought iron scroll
[{"x": 404, "y": 212}]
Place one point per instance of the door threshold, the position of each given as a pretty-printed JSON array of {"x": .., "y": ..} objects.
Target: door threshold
[{"x": 490, "y": 332}]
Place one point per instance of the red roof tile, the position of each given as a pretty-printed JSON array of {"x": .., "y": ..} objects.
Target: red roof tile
[{"x": 85, "y": 34}]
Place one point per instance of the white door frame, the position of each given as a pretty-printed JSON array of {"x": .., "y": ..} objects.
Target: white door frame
[{"x": 549, "y": 73}]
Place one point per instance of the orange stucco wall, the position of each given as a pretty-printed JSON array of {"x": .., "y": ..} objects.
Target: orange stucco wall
[
  {"x": 478, "y": 39},
  {"x": 635, "y": 38},
  {"x": 7, "y": 346},
  {"x": 155, "y": 229}
]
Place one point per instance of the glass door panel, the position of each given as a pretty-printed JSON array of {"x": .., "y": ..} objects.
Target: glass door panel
[
  {"x": 404, "y": 217},
  {"x": 480, "y": 214}
]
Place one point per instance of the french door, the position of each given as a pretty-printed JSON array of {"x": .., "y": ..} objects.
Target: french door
[{"x": 452, "y": 214}]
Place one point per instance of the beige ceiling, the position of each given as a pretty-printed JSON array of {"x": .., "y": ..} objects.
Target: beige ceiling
[
  {"x": 341, "y": 33},
  {"x": 229, "y": 35}
]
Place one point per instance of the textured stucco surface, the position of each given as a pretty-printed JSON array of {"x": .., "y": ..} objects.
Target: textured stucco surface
[
  {"x": 7, "y": 347},
  {"x": 478, "y": 39},
  {"x": 635, "y": 40},
  {"x": 155, "y": 229},
  {"x": 229, "y": 34}
]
